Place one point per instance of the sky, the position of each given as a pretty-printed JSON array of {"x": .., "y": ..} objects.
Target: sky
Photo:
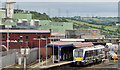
[
  {"x": 64, "y": 0},
  {"x": 72, "y": 8}
]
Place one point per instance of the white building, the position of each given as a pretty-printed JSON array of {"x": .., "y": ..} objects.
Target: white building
[
  {"x": 35, "y": 23},
  {"x": 10, "y": 8}
]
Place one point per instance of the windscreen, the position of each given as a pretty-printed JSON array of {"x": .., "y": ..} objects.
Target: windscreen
[{"x": 78, "y": 53}]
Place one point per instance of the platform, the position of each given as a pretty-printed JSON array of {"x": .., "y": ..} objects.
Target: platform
[
  {"x": 56, "y": 64},
  {"x": 50, "y": 64}
]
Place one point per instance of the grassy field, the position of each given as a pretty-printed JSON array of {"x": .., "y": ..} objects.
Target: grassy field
[{"x": 106, "y": 30}]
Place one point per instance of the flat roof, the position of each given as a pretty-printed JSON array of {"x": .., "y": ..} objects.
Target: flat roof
[
  {"x": 25, "y": 31},
  {"x": 71, "y": 40},
  {"x": 61, "y": 43},
  {"x": 76, "y": 44}
]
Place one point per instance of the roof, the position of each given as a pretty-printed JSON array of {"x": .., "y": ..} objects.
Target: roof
[
  {"x": 60, "y": 44},
  {"x": 85, "y": 44},
  {"x": 72, "y": 40},
  {"x": 74, "y": 44},
  {"x": 25, "y": 31}
]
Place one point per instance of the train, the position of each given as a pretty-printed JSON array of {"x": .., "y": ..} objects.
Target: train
[{"x": 88, "y": 55}]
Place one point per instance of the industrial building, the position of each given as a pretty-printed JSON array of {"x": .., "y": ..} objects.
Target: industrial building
[
  {"x": 56, "y": 27},
  {"x": 24, "y": 38},
  {"x": 84, "y": 34}
]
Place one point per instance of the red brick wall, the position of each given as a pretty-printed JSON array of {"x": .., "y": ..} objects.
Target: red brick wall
[{"x": 31, "y": 43}]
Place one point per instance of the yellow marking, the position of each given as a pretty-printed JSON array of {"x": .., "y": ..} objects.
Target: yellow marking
[
  {"x": 41, "y": 63},
  {"x": 78, "y": 58},
  {"x": 9, "y": 66}
]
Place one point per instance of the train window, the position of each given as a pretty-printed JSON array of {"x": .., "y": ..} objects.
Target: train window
[
  {"x": 76, "y": 53},
  {"x": 94, "y": 52},
  {"x": 87, "y": 54},
  {"x": 80, "y": 53},
  {"x": 91, "y": 53}
]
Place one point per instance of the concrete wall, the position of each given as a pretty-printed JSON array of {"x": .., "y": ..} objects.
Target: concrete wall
[
  {"x": 32, "y": 56},
  {"x": 7, "y": 58}
]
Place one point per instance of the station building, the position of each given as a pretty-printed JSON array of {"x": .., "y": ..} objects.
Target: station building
[
  {"x": 24, "y": 38},
  {"x": 64, "y": 50}
]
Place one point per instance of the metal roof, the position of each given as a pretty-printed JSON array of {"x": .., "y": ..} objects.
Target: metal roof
[
  {"x": 25, "y": 31},
  {"x": 85, "y": 44},
  {"x": 76, "y": 44}
]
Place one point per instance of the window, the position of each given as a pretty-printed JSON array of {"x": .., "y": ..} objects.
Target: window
[
  {"x": 3, "y": 37},
  {"x": 44, "y": 36},
  {"x": 78, "y": 53},
  {"x": 27, "y": 37},
  {"x": 87, "y": 54},
  {"x": 38, "y": 37},
  {"x": 21, "y": 37}
]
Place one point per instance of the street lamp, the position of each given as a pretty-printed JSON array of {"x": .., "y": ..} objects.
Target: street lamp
[
  {"x": 46, "y": 48},
  {"x": 39, "y": 49}
]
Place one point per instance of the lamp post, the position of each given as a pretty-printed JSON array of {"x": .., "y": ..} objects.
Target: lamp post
[
  {"x": 39, "y": 50},
  {"x": 46, "y": 48}
]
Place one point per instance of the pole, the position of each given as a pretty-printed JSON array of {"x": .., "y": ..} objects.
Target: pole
[
  {"x": 53, "y": 50},
  {"x": 25, "y": 62},
  {"x": 58, "y": 53},
  {"x": 46, "y": 51},
  {"x": 8, "y": 39},
  {"x": 39, "y": 53}
]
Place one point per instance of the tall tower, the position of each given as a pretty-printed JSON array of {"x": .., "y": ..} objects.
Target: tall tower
[{"x": 9, "y": 9}]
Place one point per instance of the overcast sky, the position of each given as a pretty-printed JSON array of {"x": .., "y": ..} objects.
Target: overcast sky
[{"x": 64, "y": 0}]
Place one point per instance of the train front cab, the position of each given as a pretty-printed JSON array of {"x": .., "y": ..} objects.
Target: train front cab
[{"x": 78, "y": 56}]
